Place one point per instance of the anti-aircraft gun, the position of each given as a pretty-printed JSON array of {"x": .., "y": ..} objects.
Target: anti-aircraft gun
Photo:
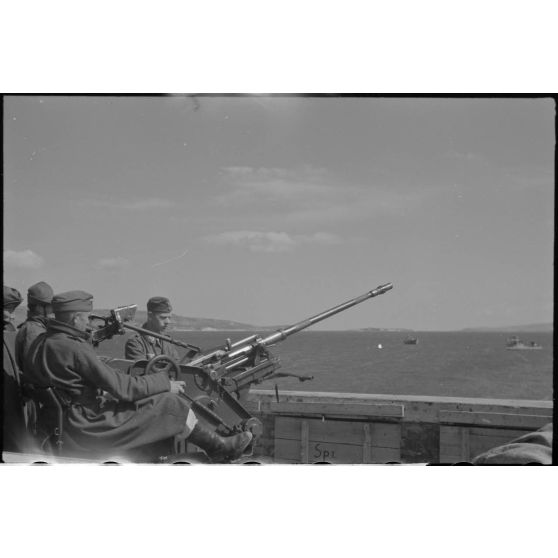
[{"x": 218, "y": 380}]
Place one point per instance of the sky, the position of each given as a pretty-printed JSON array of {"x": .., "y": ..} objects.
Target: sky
[{"x": 267, "y": 210}]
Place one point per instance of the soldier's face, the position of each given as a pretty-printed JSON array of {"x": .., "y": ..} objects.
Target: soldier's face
[
  {"x": 159, "y": 321},
  {"x": 81, "y": 321},
  {"x": 9, "y": 315}
]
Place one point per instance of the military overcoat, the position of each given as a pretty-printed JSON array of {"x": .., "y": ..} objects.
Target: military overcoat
[
  {"x": 27, "y": 332},
  {"x": 140, "y": 347},
  {"x": 15, "y": 437},
  {"x": 143, "y": 412}
]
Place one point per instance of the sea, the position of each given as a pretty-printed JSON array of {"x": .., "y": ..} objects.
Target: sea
[{"x": 452, "y": 364}]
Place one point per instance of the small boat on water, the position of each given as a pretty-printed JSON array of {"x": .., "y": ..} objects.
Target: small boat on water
[
  {"x": 514, "y": 343},
  {"x": 410, "y": 341}
]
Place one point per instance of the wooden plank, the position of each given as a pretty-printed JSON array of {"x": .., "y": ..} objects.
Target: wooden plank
[
  {"x": 304, "y": 441},
  {"x": 496, "y": 432},
  {"x": 465, "y": 444},
  {"x": 333, "y": 453},
  {"x": 386, "y": 436},
  {"x": 328, "y": 430},
  {"x": 345, "y": 432},
  {"x": 318, "y": 451},
  {"x": 265, "y": 394},
  {"x": 511, "y": 420},
  {"x": 450, "y": 444},
  {"x": 367, "y": 447},
  {"x": 454, "y": 444},
  {"x": 338, "y": 409},
  {"x": 450, "y": 436},
  {"x": 417, "y": 409}
]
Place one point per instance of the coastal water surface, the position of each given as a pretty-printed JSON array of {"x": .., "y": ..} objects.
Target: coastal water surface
[{"x": 455, "y": 364}]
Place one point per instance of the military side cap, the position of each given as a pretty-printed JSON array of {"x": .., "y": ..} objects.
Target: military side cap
[
  {"x": 12, "y": 298},
  {"x": 159, "y": 304},
  {"x": 72, "y": 301},
  {"x": 40, "y": 293}
]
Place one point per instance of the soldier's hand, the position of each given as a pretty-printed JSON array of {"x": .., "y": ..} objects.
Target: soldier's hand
[{"x": 177, "y": 386}]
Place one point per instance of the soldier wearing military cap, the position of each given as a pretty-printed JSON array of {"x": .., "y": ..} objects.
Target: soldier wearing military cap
[
  {"x": 12, "y": 299},
  {"x": 14, "y": 431},
  {"x": 142, "y": 410},
  {"x": 39, "y": 310},
  {"x": 140, "y": 346}
]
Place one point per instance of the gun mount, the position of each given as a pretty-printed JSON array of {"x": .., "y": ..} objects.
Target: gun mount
[{"x": 218, "y": 380}]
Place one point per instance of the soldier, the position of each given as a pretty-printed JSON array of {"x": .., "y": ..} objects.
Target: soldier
[
  {"x": 14, "y": 420},
  {"x": 12, "y": 299},
  {"x": 39, "y": 309},
  {"x": 141, "y": 346},
  {"x": 143, "y": 409}
]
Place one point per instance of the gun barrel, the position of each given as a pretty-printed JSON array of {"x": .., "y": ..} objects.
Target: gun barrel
[
  {"x": 160, "y": 336},
  {"x": 295, "y": 328},
  {"x": 283, "y": 333}
]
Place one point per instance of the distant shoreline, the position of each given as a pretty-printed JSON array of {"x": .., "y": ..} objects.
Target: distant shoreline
[
  {"x": 196, "y": 324},
  {"x": 365, "y": 330}
]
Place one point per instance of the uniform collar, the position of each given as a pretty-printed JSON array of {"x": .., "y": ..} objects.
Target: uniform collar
[
  {"x": 54, "y": 326},
  {"x": 151, "y": 339},
  {"x": 39, "y": 319}
]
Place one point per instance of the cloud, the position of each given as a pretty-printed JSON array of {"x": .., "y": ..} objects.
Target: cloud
[
  {"x": 326, "y": 239},
  {"x": 307, "y": 172},
  {"x": 271, "y": 242},
  {"x": 313, "y": 194},
  {"x": 135, "y": 205},
  {"x": 262, "y": 185},
  {"x": 26, "y": 259},
  {"x": 113, "y": 263},
  {"x": 314, "y": 197},
  {"x": 149, "y": 203},
  {"x": 255, "y": 241}
]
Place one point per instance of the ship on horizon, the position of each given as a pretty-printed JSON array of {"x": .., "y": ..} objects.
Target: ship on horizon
[{"x": 514, "y": 343}]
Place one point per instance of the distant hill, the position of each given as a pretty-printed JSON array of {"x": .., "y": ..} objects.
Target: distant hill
[
  {"x": 385, "y": 329},
  {"x": 544, "y": 328},
  {"x": 185, "y": 323},
  {"x": 179, "y": 323}
]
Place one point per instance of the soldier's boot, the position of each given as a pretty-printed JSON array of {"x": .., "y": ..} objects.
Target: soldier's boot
[{"x": 218, "y": 448}]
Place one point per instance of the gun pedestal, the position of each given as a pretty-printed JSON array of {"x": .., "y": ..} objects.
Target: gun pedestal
[{"x": 216, "y": 381}]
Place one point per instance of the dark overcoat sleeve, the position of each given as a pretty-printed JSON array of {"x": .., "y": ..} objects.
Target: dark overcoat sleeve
[
  {"x": 120, "y": 385},
  {"x": 134, "y": 349}
]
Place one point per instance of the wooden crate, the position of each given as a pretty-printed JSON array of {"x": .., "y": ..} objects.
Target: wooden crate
[{"x": 310, "y": 440}]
